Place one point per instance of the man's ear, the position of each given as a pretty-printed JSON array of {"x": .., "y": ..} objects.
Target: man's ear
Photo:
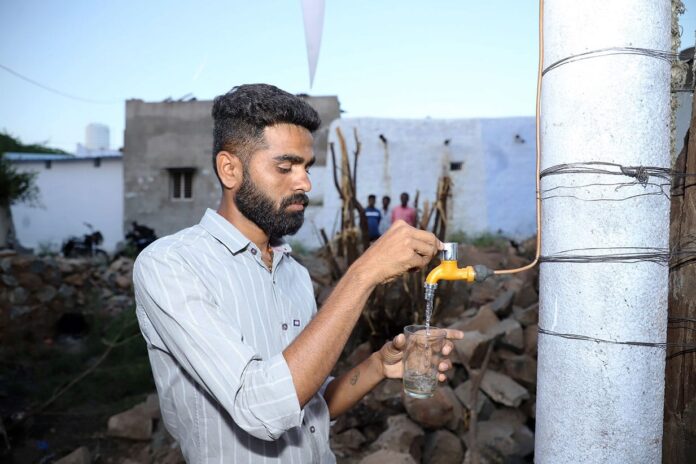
[{"x": 230, "y": 169}]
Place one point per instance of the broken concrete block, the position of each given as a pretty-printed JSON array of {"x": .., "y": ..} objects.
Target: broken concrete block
[
  {"x": 473, "y": 347},
  {"x": 526, "y": 316},
  {"x": 502, "y": 305},
  {"x": 388, "y": 457},
  {"x": 526, "y": 296},
  {"x": 531, "y": 334},
  {"x": 134, "y": 424},
  {"x": 351, "y": 440},
  {"x": 511, "y": 334},
  {"x": 80, "y": 456},
  {"x": 522, "y": 368},
  {"x": 484, "y": 319},
  {"x": 442, "y": 447},
  {"x": 402, "y": 436},
  {"x": 442, "y": 410},
  {"x": 502, "y": 389}
]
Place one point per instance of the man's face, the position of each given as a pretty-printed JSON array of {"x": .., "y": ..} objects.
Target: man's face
[
  {"x": 371, "y": 202},
  {"x": 404, "y": 199},
  {"x": 385, "y": 202},
  {"x": 272, "y": 193}
]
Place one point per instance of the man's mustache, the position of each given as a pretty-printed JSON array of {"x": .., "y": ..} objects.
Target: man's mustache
[{"x": 295, "y": 199}]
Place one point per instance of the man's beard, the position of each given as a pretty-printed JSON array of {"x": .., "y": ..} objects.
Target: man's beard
[{"x": 256, "y": 206}]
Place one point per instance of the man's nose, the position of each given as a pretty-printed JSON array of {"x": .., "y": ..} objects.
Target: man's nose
[{"x": 303, "y": 181}]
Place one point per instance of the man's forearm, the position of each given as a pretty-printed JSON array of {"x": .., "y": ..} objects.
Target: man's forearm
[
  {"x": 312, "y": 355},
  {"x": 346, "y": 390}
]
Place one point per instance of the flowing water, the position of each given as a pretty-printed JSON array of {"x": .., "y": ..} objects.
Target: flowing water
[{"x": 428, "y": 312}]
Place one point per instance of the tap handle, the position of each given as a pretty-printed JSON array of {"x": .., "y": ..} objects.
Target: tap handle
[{"x": 449, "y": 253}]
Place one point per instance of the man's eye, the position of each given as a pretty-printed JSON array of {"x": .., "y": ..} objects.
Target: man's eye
[{"x": 284, "y": 169}]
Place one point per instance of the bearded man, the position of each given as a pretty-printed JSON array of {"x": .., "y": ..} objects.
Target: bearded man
[{"x": 240, "y": 355}]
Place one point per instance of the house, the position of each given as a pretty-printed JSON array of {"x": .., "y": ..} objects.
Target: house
[{"x": 73, "y": 191}]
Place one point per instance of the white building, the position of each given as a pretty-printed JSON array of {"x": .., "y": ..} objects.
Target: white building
[
  {"x": 72, "y": 191},
  {"x": 491, "y": 163}
]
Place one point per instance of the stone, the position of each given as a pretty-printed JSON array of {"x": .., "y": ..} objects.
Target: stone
[
  {"x": 512, "y": 334},
  {"x": 66, "y": 291},
  {"x": 80, "y": 456},
  {"x": 509, "y": 415},
  {"x": 484, "y": 319},
  {"x": 526, "y": 296},
  {"x": 531, "y": 335},
  {"x": 124, "y": 282},
  {"x": 134, "y": 424},
  {"x": 442, "y": 447},
  {"x": 350, "y": 440},
  {"x": 19, "y": 295},
  {"x": 483, "y": 292},
  {"x": 502, "y": 305},
  {"x": 468, "y": 459},
  {"x": 359, "y": 354},
  {"x": 526, "y": 316},
  {"x": 441, "y": 410},
  {"x": 402, "y": 436},
  {"x": 522, "y": 368},
  {"x": 502, "y": 389},
  {"x": 31, "y": 282},
  {"x": 19, "y": 311},
  {"x": 473, "y": 347},
  {"x": 150, "y": 407},
  {"x": 9, "y": 281},
  {"x": 464, "y": 393},
  {"x": 388, "y": 457},
  {"x": 76, "y": 280},
  {"x": 498, "y": 440},
  {"x": 45, "y": 294}
]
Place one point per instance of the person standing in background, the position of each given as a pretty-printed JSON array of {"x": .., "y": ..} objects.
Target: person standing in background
[
  {"x": 373, "y": 218},
  {"x": 404, "y": 212},
  {"x": 386, "y": 215}
]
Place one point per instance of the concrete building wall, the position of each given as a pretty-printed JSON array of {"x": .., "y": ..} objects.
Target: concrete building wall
[
  {"x": 72, "y": 192},
  {"x": 163, "y": 136},
  {"x": 493, "y": 191}
]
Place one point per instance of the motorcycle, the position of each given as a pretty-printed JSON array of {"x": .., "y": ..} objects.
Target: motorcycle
[{"x": 85, "y": 247}]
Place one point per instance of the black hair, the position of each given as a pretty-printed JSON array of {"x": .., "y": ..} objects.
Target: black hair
[
  {"x": 371, "y": 197},
  {"x": 241, "y": 115}
]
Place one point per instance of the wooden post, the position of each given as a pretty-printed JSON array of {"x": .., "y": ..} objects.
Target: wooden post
[{"x": 679, "y": 441}]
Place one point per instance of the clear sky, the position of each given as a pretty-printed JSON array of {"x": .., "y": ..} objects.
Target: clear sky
[{"x": 388, "y": 58}]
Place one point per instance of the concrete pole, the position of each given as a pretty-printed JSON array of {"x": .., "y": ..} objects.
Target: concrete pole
[{"x": 600, "y": 402}]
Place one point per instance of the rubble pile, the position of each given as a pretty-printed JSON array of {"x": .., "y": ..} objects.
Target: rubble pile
[{"x": 42, "y": 297}]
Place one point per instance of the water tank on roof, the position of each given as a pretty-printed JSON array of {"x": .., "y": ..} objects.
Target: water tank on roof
[{"x": 97, "y": 137}]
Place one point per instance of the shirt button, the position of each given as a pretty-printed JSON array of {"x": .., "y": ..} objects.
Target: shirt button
[
  {"x": 312, "y": 429},
  {"x": 253, "y": 251},
  {"x": 285, "y": 326}
]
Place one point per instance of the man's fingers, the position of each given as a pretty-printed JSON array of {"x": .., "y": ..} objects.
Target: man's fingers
[
  {"x": 399, "y": 342},
  {"x": 454, "y": 334}
]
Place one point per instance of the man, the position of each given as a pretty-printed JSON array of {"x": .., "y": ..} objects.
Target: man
[
  {"x": 373, "y": 217},
  {"x": 386, "y": 214},
  {"x": 404, "y": 212},
  {"x": 241, "y": 358}
]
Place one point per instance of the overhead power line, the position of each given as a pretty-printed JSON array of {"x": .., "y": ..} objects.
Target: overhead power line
[{"x": 56, "y": 91}]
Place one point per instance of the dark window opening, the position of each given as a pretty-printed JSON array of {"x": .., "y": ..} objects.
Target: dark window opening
[
  {"x": 181, "y": 183},
  {"x": 97, "y": 162},
  {"x": 456, "y": 165},
  {"x": 48, "y": 164}
]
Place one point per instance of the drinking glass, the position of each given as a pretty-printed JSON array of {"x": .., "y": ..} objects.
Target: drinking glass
[{"x": 422, "y": 356}]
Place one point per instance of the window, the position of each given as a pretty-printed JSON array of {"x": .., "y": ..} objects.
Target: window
[
  {"x": 97, "y": 162},
  {"x": 47, "y": 163},
  {"x": 181, "y": 183},
  {"x": 456, "y": 165}
]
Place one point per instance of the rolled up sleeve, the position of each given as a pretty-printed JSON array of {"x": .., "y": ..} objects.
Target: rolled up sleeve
[{"x": 178, "y": 315}]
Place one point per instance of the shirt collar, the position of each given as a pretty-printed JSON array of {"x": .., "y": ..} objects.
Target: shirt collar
[
  {"x": 224, "y": 231},
  {"x": 230, "y": 236}
]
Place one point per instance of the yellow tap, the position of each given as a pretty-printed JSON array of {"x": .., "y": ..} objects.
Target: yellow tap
[{"x": 448, "y": 270}]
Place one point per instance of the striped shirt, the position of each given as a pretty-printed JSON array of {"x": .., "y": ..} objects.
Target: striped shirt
[{"x": 216, "y": 322}]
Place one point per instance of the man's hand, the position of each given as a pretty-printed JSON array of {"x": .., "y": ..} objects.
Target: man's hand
[
  {"x": 391, "y": 353},
  {"x": 399, "y": 250}
]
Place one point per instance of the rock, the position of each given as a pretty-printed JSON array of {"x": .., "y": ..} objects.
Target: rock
[
  {"x": 483, "y": 292},
  {"x": 31, "y": 282},
  {"x": 76, "y": 280},
  {"x": 388, "y": 457},
  {"x": 464, "y": 394},
  {"x": 350, "y": 440},
  {"x": 150, "y": 407},
  {"x": 359, "y": 354},
  {"x": 502, "y": 389},
  {"x": 442, "y": 447},
  {"x": 500, "y": 439},
  {"x": 402, "y": 436},
  {"x": 512, "y": 334},
  {"x": 526, "y": 316},
  {"x": 468, "y": 459},
  {"x": 9, "y": 281},
  {"x": 134, "y": 424},
  {"x": 19, "y": 311},
  {"x": 502, "y": 305},
  {"x": 442, "y": 410},
  {"x": 124, "y": 282},
  {"x": 484, "y": 319},
  {"x": 45, "y": 294},
  {"x": 170, "y": 455},
  {"x": 509, "y": 415},
  {"x": 522, "y": 368},
  {"x": 66, "y": 291},
  {"x": 527, "y": 296},
  {"x": 19, "y": 295},
  {"x": 473, "y": 347},
  {"x": 531, "y": 334},
  {"x": 80, "y": 456}
]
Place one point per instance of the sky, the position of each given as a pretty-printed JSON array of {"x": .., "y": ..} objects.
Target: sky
[{"x": 389, "y": 58}]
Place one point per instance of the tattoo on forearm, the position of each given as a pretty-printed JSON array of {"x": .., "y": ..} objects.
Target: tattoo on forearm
[{"x": 355, "y": 377}]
